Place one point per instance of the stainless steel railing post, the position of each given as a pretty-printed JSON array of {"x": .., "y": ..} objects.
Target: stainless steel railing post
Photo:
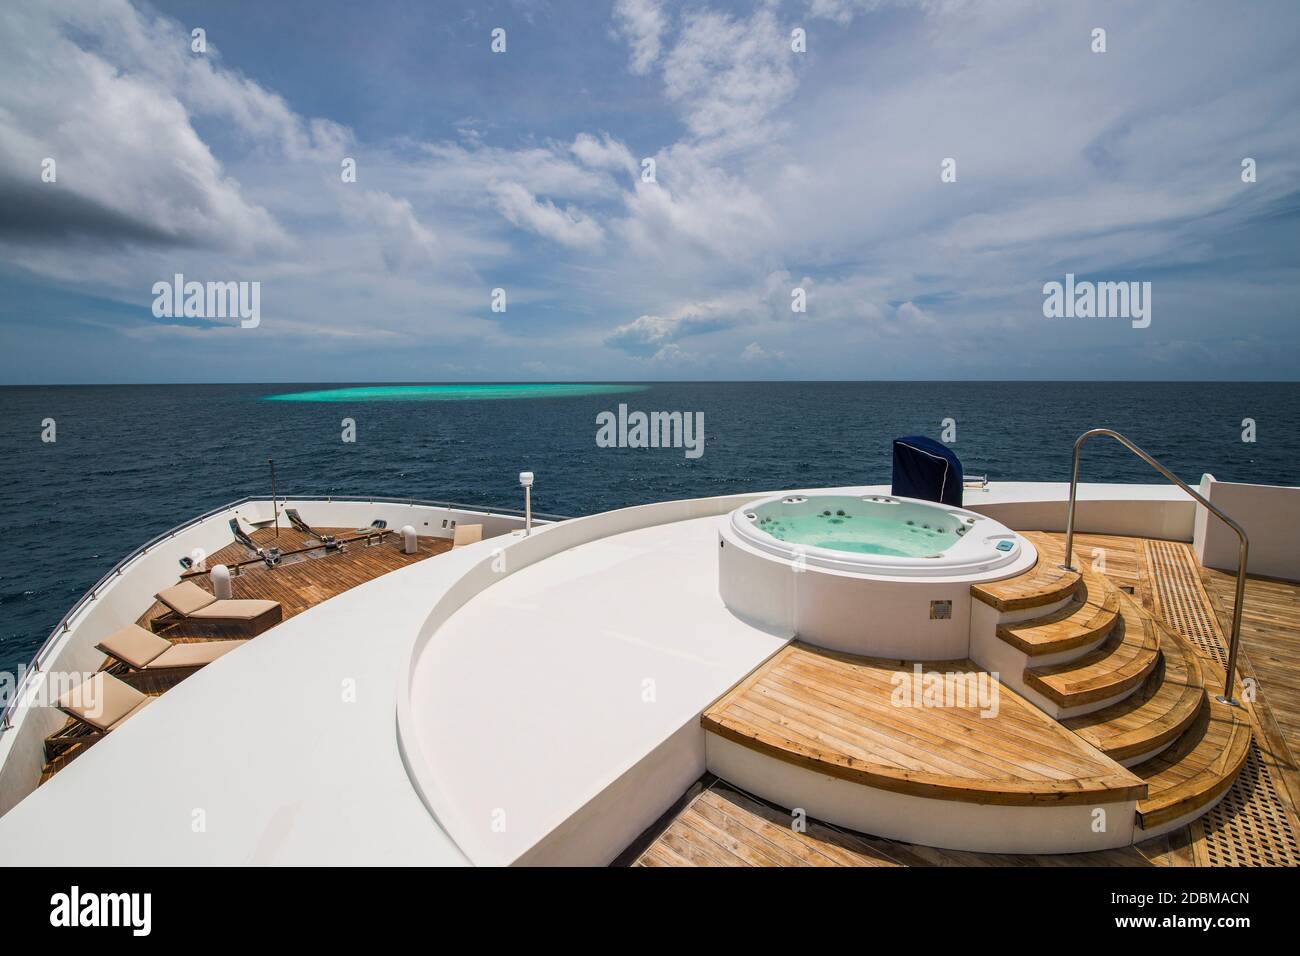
[
  {"x": 1069, "y": 518},
  {"x": 1242, "y": 557}
]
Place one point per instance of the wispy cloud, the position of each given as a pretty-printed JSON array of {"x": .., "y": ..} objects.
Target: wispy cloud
[
  {"x": 642, "y": 24},
  {"x": 566, "y": 226}
]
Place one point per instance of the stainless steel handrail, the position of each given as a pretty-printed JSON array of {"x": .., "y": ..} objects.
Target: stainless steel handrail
[
  {"x": 115, "y": 570},
  {"x": 1226, "y": 697}
]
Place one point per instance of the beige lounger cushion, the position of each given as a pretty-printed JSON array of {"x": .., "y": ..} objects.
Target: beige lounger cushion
[
  {"x": 103, "y": 702},
  {"x": 134, "y": 645},
  {"x": 185, "y": 598},
  {"x": 234, "y": 610},
  {"x": 189, "y": 600},
  {"x": 467, "y": 534},
  {"x": 193, "y": 654},
  {"x": 144, "y": 651}
]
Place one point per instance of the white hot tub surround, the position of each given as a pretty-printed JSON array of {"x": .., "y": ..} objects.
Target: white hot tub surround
[{"x": 786, "y": 562}]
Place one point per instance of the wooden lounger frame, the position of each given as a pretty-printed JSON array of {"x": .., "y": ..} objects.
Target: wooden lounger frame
[
  {"x": 170, "y": 618},
  {"x": 120, "y": 668},
  {"x": 79, "y": 732}
]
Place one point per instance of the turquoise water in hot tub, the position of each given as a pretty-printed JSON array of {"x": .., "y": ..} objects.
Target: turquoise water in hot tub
[{"x": 841, "y": 530}]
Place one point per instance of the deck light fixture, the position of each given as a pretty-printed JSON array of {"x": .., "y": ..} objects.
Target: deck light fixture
[{"x": 526, "y": 481}]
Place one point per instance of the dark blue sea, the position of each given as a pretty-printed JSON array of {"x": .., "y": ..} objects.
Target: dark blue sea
[{"x": 132, "y": 461}]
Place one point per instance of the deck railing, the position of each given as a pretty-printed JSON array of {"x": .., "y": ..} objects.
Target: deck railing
[
  {"x": 1234, "y": 640},
  {"x": 65, "y": 622}
]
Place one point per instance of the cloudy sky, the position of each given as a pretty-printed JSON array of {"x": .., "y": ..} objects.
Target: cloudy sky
[{"x": 523, "y": 170}]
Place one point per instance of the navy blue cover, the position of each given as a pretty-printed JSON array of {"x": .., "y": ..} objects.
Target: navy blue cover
[{"x": 926, "y": 469}]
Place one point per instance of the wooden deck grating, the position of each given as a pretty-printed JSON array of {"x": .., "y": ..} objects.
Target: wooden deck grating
[
  {"x": 296, "y": 586},
  {"x": 1180, "y": 599},
  {"x": 1251, "y": 826}
]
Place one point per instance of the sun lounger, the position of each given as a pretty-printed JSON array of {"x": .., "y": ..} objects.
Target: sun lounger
[
  {"x": 137, "y": 649},
  {"x": 467, "y": 534},
  {"x": 99, "y": 706},
  {"x": 189, "y": 602}
]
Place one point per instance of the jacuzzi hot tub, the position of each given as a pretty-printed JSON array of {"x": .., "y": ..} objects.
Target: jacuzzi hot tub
[{"x": 864, "y": 572}]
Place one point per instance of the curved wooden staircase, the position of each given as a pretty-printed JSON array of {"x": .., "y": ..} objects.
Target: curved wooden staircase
[
  {"x": 1103, "y": 709},
  {"x": 1120, "y": 664},
  {"x": 1124, "y": 683},
  {"x": 1157, "y": 714}
]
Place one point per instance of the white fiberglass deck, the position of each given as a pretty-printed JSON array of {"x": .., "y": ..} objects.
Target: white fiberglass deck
[{"x": 550, "y": 684}]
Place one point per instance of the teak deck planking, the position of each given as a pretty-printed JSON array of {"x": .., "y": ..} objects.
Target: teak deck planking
[
  {"x": 717, "y": 824},
  {"x": 1270, "y": 637},
  {"x": 300, "y": 585},
  {"x": 833, "y": 713}
]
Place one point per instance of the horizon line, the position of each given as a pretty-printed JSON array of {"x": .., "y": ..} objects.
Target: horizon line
[{"x": 673, "y": 381}]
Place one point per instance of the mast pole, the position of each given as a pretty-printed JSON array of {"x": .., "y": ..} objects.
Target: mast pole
[{"x": 275, "y": 502}]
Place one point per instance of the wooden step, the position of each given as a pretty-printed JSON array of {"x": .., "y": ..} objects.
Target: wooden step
[
  {"x": 841, "y": 716},
  {"x": 1120, "y": 664},
  {"x": 1196, "y": 770},
  {"x": 1166, "y": 706},
  {"x": 1047, "y": 582},
  {"x": 1090, "y": 615},
  {"x": 1044, "y": 583}
]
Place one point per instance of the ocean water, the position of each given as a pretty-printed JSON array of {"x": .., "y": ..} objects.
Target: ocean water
[{"x": 130, "y": 462}]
